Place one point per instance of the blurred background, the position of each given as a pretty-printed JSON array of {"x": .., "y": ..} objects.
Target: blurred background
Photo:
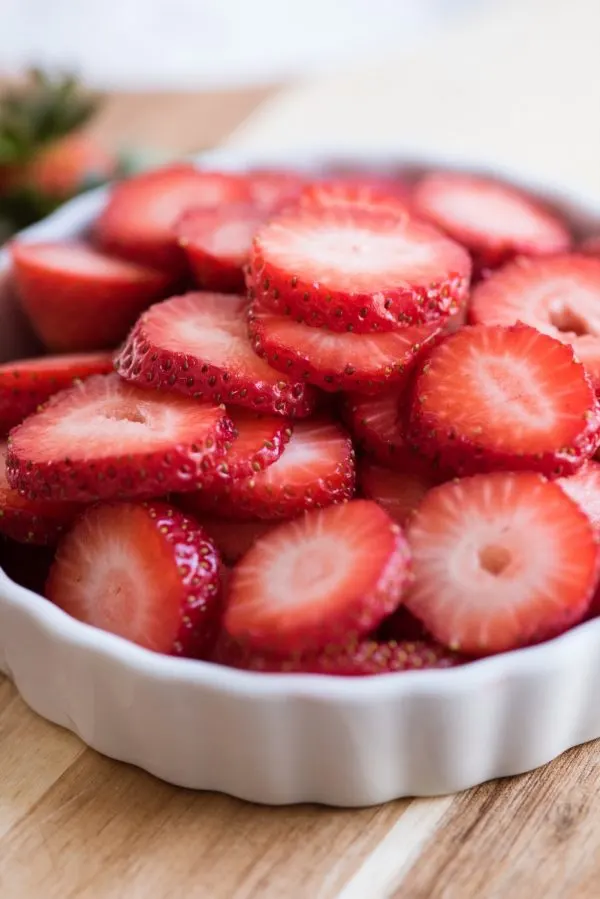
[{"x": 512, "y": 82}]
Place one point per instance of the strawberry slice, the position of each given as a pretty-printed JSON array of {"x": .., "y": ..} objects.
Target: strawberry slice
[
  {"x": 558, "y": 296},
  {"x": 198, "y": 345},
  {"x": 511, "y": 398},
  {"x": 77, "y": 298},
  {"x": 325, "y": 578},
  {"x": 27, "y": 383},
  {"x": 398, "y": 492},
  {"x": 270, "y": 189},
  {"x": 138, "y": 220},
  {"x": 105, "y": 439},
  {"x": 334, "y": 360},
  {"x": 233, "y": 539},
  {"x": 357, "y": 268},
  {"x": 493, "y": 220},
  {"x": 352, "y": 192},
  {"x": 258, "y": 442},
  {"x": 217, "y": 243},
  {"x": 584, "y": 488},
  {"x": 374, "y": 422},
  {"x": 143, "y": 571},
  {"x": 29, "y": 520},
  {"x": 315, "y": 470},
  {"x": 500, "y": 561},
  {"x": 360, "y": 658}
]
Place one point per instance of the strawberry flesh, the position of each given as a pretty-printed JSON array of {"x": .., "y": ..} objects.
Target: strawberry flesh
[
  {"x": 398, "y": 492},
  {"x": 315, "y": 470},
  {"x": 490, "y": 398},
  {"x": 79, "y": 299},
  {"x": 500, "y": 561},
  {"x": 559, "y": 296},
  {"x": 493, "y": 220},
  {"x": 198, "y": 345},
  {"x": 334, "y": 360},
  {"x": 353, "y": 192},
  {"x": 357, "y": 268},
  {"x": 138, "y": 221},
  {"x": 27, "y": 383},
  {"x": 105, "y": 439},
  {"x": 142, "y": 571},
  {"x": 326, "y": 578},
  {"x": 584, "y": 488}
]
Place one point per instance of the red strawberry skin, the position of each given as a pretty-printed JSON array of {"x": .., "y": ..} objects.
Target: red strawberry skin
[
  {"x": 297, "y": 268},
  {"x": 164, "y": 352},
  {"x": 361, "y": 658},
  {"x": 259, "y": 441},
  {"x": 78, "y": 299},
  {"x": 104, "y": 439},
  {"x": 324, "y": 579},
  {"x": 490, "y": 398},
  {"x": 27, "y": 383},
  {"x": 167, "y": 599},
  {"x": 334, "y": 361}
]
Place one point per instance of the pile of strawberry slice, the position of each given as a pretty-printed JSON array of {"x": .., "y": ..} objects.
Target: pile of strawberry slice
[{"x": 340, "y": 425}]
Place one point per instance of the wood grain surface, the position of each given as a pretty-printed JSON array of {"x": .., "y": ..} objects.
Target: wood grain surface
[{"x": 75, "y": 825}]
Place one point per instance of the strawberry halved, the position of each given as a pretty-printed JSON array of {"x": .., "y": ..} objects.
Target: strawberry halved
[
  {"x": 258, "y": 442},
  {"x": 105, "y": 439},
  {"x": 490, "y": 398},
  {"x": 29, "y": 520},
  {"x": 233, "y": 539},
  {"x": 584, "y": 488},
  {"x": 500, "y": 561},
  {"x": 337, "y": 360},
  {"x": 217, "y": 243},
  {"x": 316, "y": 469},
  {"x": 398, "y": 492},
  {"x": 27, "y": 383},
  {"x": 143, "y": 571},
  {"x": 357, "y": 268},
  {"x": 326, "y": 578},
  {"x": 137, "y": 222},
  {"x": 495, "y": 221},
  {"x": 559, "y": 296},
  {"x": 78, "y": 298},
  {"x": 360, "y": 658},
  {"x": 198, "y": 345}
]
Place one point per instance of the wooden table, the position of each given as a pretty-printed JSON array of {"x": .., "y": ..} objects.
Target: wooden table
[{"x": 74, "y": 824}]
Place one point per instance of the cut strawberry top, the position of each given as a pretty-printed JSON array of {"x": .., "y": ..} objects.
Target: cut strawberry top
[
  {"x": 332, "y": 574},
  {"x": 198, "y": 344},
  {"x": 500, "y": 561},
  {"x": 491, "y": 218},
  {"x": 358, "y": 267},
  {"x": 139, "y": 217},
  {"x": 104, "y": 438},
  {"x": 559, "y": 296},
  {"x": 504, "y": 398}
]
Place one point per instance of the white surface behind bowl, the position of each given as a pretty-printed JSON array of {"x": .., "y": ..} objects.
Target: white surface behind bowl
[{"x": 296, "y": 738}]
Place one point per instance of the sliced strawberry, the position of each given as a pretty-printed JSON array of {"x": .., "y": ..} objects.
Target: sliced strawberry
[
  {"x": 258, "y": 442},
  {"x": 495, "y": 221},
  {"x": 326, "y": 578},
  {"x": 510, "y": 398},
  {"x": 29, "y": 520},
  {"x": 500, "y": 561},
  {"x": 26, "y": 383},
  {"x": 558, "y": 296},
  {"x": 137, "y": 222},
  {"x": 374, "y": 422},
  {"x": 79, "y": 299},
  {"x": 352, "y": 192},
  {"x": 401, "y": 625},
  {"x": 357, "y": 268},
  {"x": 584, "y": 488},
  {"x": 315, "y": 470},
  {"x": 198, "y": 345},
  {"x": 272, "y": 189},
  {"x": 360, "y": 658},
  {"x": 233, "y": 539},
  {"x": 217, "y": 242},
  {"x": 334, "y": 360},
  {"x": 105, "y": 439},
  {"x": 143, "y": 571},
  {"x": 398, "y": 492}
]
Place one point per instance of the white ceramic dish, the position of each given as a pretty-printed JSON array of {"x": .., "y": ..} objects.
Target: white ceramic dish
[{"x": 295, "y": 738}]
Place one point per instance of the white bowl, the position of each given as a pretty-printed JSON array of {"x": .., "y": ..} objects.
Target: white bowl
[{"x": 295, "y": 738}]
